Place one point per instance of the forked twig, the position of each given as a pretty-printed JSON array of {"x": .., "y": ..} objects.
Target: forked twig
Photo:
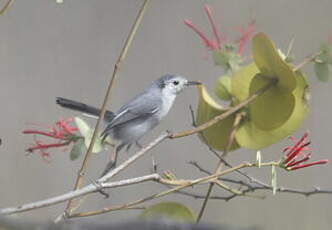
[{"x": 230, "y": 142}]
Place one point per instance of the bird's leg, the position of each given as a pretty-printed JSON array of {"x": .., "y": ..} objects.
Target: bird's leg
[
  {"x": 128, "y": 147},
  {"x": 110, "y": 165},
  {"x": 138, "y": 145},
  {"x": 113, "y": 158}
]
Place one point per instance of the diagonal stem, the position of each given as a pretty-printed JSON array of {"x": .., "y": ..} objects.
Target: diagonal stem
[
  {"x": 123, "y": 54},
  {"x": 307, "y": 60},
  {"x": 93, "y": 187},
  {"x": 230, "y": 141}
]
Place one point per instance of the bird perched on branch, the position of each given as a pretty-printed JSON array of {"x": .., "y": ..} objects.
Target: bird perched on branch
[{"x": 137, "y": 117}]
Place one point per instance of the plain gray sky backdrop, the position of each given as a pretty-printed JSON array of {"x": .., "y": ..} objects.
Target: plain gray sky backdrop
[{"x": 49, "y": 50}]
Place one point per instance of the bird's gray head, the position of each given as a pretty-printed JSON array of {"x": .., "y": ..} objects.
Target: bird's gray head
[{"x": 174, "y": 84}]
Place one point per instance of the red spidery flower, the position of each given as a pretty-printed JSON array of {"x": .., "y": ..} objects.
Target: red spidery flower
[
  {"x": 218, "y": 41},
  {"x": 62, "y": 131},
  {"x": 246, "y": 34},
  {"x": 298, "y": 153}
]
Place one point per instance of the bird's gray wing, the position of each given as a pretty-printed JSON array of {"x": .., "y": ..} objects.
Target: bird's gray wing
[{"x": 141, "y": 106}]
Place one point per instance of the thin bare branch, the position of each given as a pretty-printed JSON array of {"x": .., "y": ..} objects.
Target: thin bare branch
[
  {"x": 77, "y": 193},
  {"x": 181, "y": 184},
  {"x": 123, "y": 54},
  {"x": 164, "y": 193},
  {"x": 209, "y": 147},
  {"x": 93, "y": 187},
  {"x": 200, "y": 196},
  {"x": 236, "y": 191},
  {"x": 230, "y": 142},
  {"x": 307, "y": 60},
  {"x": 258, "y": 185},
  {"x": 134, "y": 158},
  {"x": 314, "y": 191}
]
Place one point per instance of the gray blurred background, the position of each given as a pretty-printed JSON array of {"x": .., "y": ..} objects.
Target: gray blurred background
[{"x": 49, "y": 50}]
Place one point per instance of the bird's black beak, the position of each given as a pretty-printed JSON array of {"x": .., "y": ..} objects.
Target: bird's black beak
[{"x": 193, "y": 83}]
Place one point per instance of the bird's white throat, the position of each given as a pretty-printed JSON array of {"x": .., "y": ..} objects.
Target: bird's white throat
[{"x": 167, "y": 100}]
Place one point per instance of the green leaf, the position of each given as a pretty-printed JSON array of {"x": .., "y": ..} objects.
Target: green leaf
[
  {"x": 250, "y": 136},
  {"x": 83, "y": 127},
  {"x": 87, "y": 133},
  {"x": 217, "y": 135},
  {"x": 77, "y": 149},
  {"x": 170, "y": 210},
  {"x": 271, "y": 64},
  {"x": 223, "y": 88},
  {"x": 326, "y": 54},
  {"x": 271, "y": 109},
  {"x": 241, "y": 81},
  {"x": 228, "y": 59},
  {"x": 322, "y": 71},
  {"x": 220, "y": 58}
]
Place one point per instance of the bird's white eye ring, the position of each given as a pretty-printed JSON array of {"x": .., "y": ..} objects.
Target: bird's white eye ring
[{"x": 175, "y": 82}]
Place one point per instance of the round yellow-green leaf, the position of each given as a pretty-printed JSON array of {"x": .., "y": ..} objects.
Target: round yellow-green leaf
[
  {"x": 170, "y": 210},
  {"x": 250, "y": 136},
  {"x": 270, "y": 64},
  {"x": 223, "y": 88},
  {"x": 217, "y": 135},
  {"x": 241, "y": 81},
  {"x": 271, "y": 109}
]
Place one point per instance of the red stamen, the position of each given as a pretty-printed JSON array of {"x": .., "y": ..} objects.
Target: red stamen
[
  {"x": 207, "y": 42},
  {"x": 56, "y": 135},
  {"x": 208, "y": 11},
  {"x": 46, "y": 146},
  {"x": 303, "y": 138},
  {"x": 294, "y": 162},
  {"x": 308, "y": 165},
  {"x": 66, "y": 127},
  {"x": 245, "y": 37},
  {"x": 285, "y": 149},
  {"x": 295, "y": 153}
]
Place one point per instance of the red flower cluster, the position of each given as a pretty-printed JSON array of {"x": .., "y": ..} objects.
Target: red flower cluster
[
  {"x": 299, "y": 153},
  {"x": 217, "y": 41},
  {"x": 62, "y": 131}
]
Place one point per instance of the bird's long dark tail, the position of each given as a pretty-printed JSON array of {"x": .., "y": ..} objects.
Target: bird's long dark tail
[{"x": 81, "y": 107}]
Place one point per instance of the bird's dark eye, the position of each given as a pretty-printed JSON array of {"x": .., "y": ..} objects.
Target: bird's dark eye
[{"x": 175, "y": 82}]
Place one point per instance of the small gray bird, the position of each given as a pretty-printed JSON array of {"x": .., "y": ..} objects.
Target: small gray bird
[{"x": 141, "y": 114}]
